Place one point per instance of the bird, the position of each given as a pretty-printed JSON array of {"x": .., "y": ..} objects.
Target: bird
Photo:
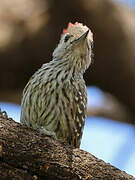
[{"x": 54, "y": 101}]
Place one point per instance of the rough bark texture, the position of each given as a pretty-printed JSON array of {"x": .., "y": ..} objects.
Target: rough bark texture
[{"x": 26, "y": 154}]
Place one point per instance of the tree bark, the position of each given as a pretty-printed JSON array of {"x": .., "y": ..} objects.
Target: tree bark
[{"x": 26, "y": 154}]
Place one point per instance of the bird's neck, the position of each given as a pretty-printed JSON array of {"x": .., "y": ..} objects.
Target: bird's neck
[{"x": 73, "y": 65}]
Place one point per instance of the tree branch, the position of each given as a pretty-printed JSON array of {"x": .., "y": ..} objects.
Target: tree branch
[{"x": 26, "y": 154}]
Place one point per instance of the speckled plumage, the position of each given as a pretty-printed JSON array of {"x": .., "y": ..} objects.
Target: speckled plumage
[{"x": 55, "y": 98}]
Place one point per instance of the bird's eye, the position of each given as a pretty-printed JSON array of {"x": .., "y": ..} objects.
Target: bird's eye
[{"x": 66, "y": 38}]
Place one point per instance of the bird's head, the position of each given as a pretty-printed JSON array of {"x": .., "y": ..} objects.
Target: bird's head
[{"x": 75, "y": 45}]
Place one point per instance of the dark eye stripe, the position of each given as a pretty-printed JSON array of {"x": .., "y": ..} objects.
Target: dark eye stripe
[{"x": 66, "y": 38}]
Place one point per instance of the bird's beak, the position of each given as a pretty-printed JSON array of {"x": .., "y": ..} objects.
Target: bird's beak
[{"x": 83, "y": 37}]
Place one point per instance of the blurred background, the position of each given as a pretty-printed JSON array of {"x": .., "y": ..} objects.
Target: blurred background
[{"x": 30, "y": 30}]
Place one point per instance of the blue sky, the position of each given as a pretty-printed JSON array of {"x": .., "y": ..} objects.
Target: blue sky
[{"x": 130, "y": 3}]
